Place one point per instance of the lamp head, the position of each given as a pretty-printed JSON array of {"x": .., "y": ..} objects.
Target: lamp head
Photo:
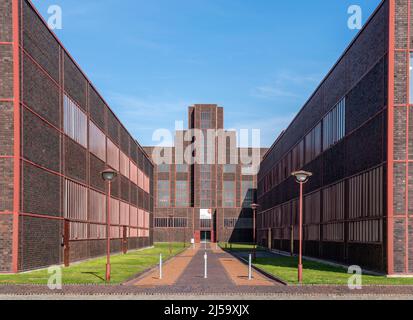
[
  {"x": 302, "y": 176},
  {"x": 255, "y": 206},
  {"x": 109, "y": 175}
]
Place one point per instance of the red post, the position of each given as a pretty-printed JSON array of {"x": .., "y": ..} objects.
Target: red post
[
  {"x": 254, "y": 235},
  {"x": 300, "y": 254},
  {"x": 108, "y": 235}
]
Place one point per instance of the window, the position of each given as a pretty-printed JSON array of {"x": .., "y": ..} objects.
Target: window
[
  {"x": 113, "y": 155},
  {"x": 171, "y": 222},
  {"x": 124, "y": 164},
  {"x": 228, "y": 197},
  {"x": 411, "y": 78},
  {"x": 133, "y": 173},
  {"x": 205, "y": 186},
  {"x": 97, "y": 141},
  {"x": 313, "y": 144},
  {"x": 206, "y": 122},
  {"x": 75, "y": 122},
  {"x": 78, "y": 231},
  {"x": 75, "y": 201},
  {"x": 97, "y": 211},
  {"x": 247, "y": 193},
  {"x": 182, "y": 168},
  {"x": 181, "y": 194},
  {"x": 238, "y": 223},
  {"x": 163, "y": 193},
  {"x": 334, "y": 125},
  {"x": 164, "y": 168},
  {"x": 230, "y": 168}
]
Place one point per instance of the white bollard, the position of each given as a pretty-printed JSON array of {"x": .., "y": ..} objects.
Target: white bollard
[
  {"x": 250, "y": 268},
  {"x": 160, "y": 267},
  {"x": 206, "y": 266}
]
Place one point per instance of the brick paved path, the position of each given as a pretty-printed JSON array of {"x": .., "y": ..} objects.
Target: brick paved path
[{"x": 225, "y": 273}]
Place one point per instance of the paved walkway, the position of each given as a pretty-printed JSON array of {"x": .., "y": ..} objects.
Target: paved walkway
[{"x": 185, "y": 273}]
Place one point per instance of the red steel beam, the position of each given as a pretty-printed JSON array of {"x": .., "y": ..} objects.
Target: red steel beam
[
  {"x": 390, "y": 143},
  {"x": 16, "y": 122}
]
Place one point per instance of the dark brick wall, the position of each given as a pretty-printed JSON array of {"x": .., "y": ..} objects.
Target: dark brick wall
[
  {"x": 40, "y": 93},
  {"x": 403, "y": 145},
  {"x": 6, "y": 184},
  {"x": 41, "y": 142},
  {"x": 45, "y": 66},
  {"x": 46, "y": 235},
  {"x": 42, "y": 191},
  {"x": 75, "y": 82},
  {"x": 97, "y": 109},
  {"x": 96, "y": 167},
  {"x": 6, "y": 71},
  {"x": 360, "y": 76},
  {"x": 75, "y": 160},
  {"x": 6, "y": 30},
  {"x": 6, "y": 235},
  {"x": 40, "y": 43},
  {"x": 6, "y": 128}
]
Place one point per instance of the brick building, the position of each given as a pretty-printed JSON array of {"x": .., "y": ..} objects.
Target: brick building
[
  {"x": 56, "y": 136},
  {"x": 355, "y": 135},
  {"x": 207, "y": 197}
]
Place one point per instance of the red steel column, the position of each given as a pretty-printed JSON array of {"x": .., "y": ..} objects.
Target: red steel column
[
  {"x": 108, "y": 235},
  {"x": 16, "y": 123},
  {"x": 390, "y": 146},
  {"x": 300, "y": 232}
]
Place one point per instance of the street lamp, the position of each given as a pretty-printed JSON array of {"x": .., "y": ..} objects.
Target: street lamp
[
  {"x": 169, "y": 232},
  {"x": 254, "y": 208},
  {"x": 301, "y": 177},
  {"x": 108, "y": 176}
]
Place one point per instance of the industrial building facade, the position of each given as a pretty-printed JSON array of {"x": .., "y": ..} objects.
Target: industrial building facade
[
  {"x": 56, "y": 137},
  {"x": 355, "y": 135},
  {"x": 207, "y": 200}
]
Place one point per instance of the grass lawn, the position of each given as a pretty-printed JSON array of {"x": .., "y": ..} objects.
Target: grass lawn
[
  {"x": 238, "y": 246},
  {"x": 93, "y": 271},
  {"x": 318, "y": 273}
]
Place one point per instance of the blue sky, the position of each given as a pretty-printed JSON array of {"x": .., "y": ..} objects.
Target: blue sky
[{"x": 259, "y": 59}]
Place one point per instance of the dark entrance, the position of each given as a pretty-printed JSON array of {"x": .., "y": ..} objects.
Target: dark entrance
[{"x": 205, "y": 236}]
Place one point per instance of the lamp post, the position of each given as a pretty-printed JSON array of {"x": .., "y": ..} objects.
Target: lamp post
[
  {"x": 301, "y": 177},
  {"x": 254, "y": 208},
  {"x": 108, "y": 176},
  {"x": 169, "y": 233}
]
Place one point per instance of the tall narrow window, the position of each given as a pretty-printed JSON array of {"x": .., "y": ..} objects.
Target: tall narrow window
[
  {"x": 163, "y": 193},
  {"x": 97, "y": 141},
  {"x": 75, "y": 122},
  {"x": 334, "y": 125},
  {"x": 411, "y": 79},
  {"x": 229, "y": 194},
  {"x": 75, "y": 201},
  {"x": 113, "y": 155},
  {"x": 181, "y": 195}
]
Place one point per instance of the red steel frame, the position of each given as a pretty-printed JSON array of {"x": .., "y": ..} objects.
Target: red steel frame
[
  {"x": 18, "y": 51},
  {"x": 390, "y": 142},
  {"x": 16, "y": 122}
]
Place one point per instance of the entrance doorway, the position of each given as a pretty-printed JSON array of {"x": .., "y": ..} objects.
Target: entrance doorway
[{"x": 205, "y": 236}]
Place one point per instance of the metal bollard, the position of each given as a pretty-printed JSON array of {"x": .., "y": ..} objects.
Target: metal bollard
[
  {"x": 160, "y": 267},
  {"x": 250, "y": 268},
  {"x": 206, "y": 266}
]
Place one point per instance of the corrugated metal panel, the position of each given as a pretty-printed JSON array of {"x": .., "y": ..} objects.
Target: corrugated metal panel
[
  {"x": 97, "y": 141},
  {"x": 114, "y": 211},
  {"x": 97, "y": 231},
  {"x": 133, "y": 173},
  {"x": 78, "y": 231},
  {"x": 75, "y": 206},
  {"x": 75, "y": 122},
  {"x": 124, "y": 164},
  {"x": 141, "y": 218},
  {"x": 113, "y": 155},
  {"x": 133, "y": 216},
  {"x": 140, "y": 179},
  {"x": 124, "y": 214},
  {"x": 97, "y": 211}
]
